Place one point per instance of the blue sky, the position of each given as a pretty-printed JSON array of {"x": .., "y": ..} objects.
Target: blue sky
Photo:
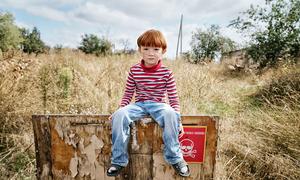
[{"x": 65, "y": 21}]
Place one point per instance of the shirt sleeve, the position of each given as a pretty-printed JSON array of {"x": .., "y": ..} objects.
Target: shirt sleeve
[
  {"x": 129, "y": 90},
  {"x": 172, "y": 93}
]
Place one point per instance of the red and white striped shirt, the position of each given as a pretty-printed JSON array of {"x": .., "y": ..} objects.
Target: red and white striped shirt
[{"x": 151, "y": 84}]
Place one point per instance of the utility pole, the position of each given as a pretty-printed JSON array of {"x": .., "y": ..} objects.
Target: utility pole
[{"x": 179, "y": 41}]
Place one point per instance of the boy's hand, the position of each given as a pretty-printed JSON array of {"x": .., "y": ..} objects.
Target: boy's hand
[{"x": 181, "y": 131}]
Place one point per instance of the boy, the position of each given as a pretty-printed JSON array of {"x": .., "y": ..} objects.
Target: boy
[{"x": 151, "y": 81}]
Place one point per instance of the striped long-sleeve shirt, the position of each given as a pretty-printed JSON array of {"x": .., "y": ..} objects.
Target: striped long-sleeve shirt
[{"x": 151, "y": 84}]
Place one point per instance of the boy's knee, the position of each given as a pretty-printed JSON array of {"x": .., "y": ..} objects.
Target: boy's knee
[
  {"x": 169, "y": 112},
  {"x": 171, "y": 116},
  {"x": 120, "y": 112},
  {"x": 121, "y": 116}
]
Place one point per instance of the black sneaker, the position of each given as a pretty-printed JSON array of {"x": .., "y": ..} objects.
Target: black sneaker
[{"x": 182, "y": 168}]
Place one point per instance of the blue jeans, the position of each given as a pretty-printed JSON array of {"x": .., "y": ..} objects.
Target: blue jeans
[{"x": 162, "y": 113}]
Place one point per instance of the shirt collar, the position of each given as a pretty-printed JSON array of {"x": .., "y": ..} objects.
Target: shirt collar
[{"x": 152, "y": 68}]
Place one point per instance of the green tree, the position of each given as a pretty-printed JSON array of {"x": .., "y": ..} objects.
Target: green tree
[
  {"x": 32, "y": 41},
  {"x": 92, "y": 44},
  {"x": 226, "y": 44},
  {"x": 274, "y": 31},
  {"x": 207, "y": 44},
  {"x": 10, "y": 36}
]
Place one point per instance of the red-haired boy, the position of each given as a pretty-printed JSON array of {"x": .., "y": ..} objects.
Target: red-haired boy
[{"x": 151, "y": 81}]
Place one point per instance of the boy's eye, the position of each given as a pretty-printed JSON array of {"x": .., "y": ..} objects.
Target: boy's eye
[
  {"x": 156, "y": 49},
  {"x": 145, "y": 48}
]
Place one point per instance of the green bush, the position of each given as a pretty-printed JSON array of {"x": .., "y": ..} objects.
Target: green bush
[
  {"x": 10, "y": 36},
  {"x": 65, "y": 78},
  {"x": 207, "y": 44},
  {"x": 32, "y": 41},
  {"x": 92, "y": 44}
]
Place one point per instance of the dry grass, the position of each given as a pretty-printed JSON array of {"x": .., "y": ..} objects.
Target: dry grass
[
  {"x": 267, "y": 143},
  {"x": 257, "y": 142}
]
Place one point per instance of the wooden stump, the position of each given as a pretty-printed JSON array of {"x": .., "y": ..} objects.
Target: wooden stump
[{"x": 79, "y": 147}]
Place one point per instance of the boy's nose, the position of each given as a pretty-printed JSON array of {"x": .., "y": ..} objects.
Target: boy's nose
[{"x": 151, "y": 53}]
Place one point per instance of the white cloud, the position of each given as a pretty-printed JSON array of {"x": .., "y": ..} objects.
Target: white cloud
[
  {"x": 123, "y": 19},
  {"x": 100, "y": 14},
  {"x": 47, "y": 12},
  {"x": 37, "y": 8}
]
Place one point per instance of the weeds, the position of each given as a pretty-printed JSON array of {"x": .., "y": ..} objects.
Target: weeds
[{"x": 259, "y": 114}]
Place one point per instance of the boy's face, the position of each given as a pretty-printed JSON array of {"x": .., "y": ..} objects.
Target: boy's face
[{"x": 151, "y": 55}]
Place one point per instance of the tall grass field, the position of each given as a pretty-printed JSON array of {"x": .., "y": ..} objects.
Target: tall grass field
[{"x": 259, "y": 125}]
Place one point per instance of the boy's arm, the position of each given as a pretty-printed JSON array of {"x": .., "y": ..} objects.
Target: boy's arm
[
  {"x": 173, "y": 99},
  {"x": 129, "y": 90},
  {"x": 172, "y": 93}
]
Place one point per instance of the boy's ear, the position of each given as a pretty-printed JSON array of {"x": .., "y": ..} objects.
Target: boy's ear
[
  {"x": 139, "y": 49},
  {"x": 164, "y": 51}
]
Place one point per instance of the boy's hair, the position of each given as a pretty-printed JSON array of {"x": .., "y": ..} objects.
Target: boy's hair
[{"x": 152, "y": 38}]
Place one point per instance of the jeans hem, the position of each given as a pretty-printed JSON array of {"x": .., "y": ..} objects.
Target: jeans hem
[{"x": 120, "y": 164}]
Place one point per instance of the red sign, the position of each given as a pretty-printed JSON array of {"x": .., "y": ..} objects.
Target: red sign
[{"x": 192, "y": 143}]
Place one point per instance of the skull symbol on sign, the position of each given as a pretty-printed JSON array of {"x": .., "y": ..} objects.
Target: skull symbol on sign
[{"x": 187, "y": 148}]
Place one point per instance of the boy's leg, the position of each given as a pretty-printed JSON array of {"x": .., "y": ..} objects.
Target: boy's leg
[
  {"x": 168, "y": 119},
  {"x": 121, "y": 120}
]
